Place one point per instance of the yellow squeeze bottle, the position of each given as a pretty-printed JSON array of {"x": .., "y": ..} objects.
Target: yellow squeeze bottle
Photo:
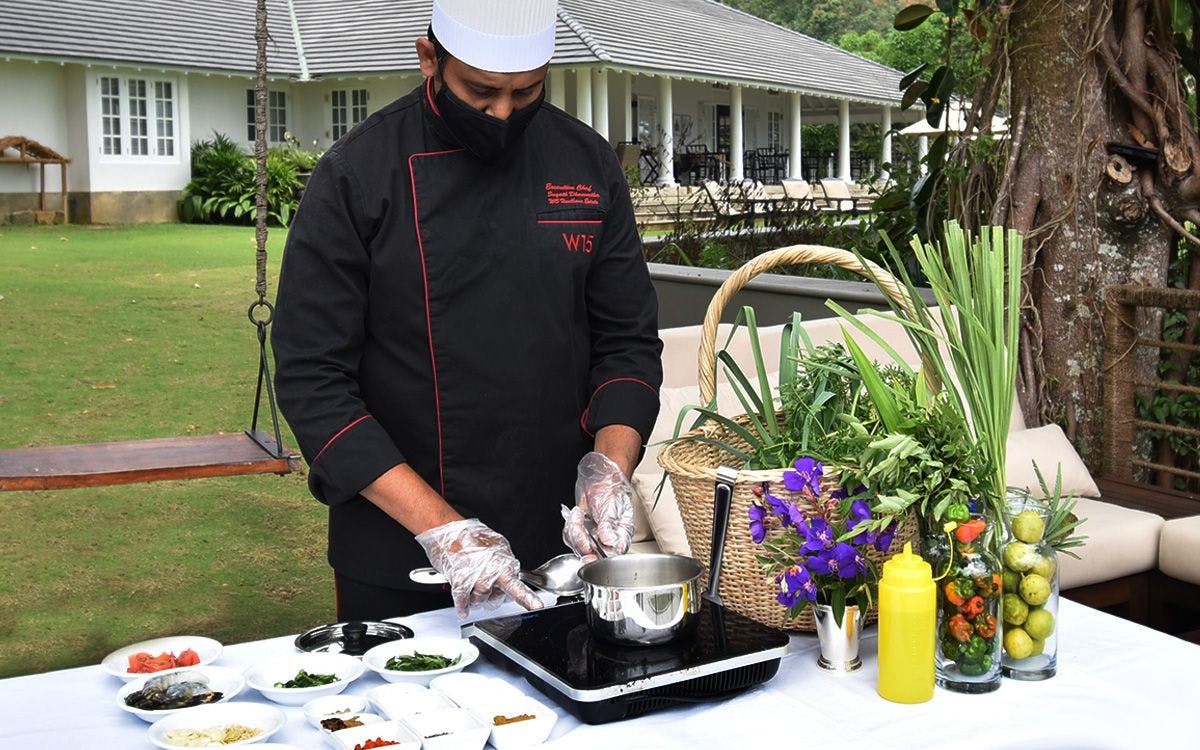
[{"x": 907, "y": 628}]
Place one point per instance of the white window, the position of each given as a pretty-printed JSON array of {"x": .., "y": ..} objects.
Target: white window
[
  {"x": 775, "y": 130},
  {"x": 648, "y": 131},
  {"x": 127, "y": 108},
  {"x": 139, "y": 125},
  {"x": 276, "y": 115},
  {"x": 348, "y": 108},
  {"x": 164, "y": 118},
  {"x": 110, "y": 115}
]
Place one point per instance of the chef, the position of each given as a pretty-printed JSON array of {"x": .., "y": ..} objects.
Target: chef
[{"x": 465, "y": 331}]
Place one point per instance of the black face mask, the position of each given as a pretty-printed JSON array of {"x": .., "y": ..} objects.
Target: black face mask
[{"x": 489, "y": 138}]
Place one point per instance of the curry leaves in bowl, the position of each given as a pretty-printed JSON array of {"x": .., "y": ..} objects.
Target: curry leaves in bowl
[{"x": 420, "y": 659}]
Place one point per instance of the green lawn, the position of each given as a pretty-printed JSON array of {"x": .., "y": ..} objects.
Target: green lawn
[{"x": 134, "y": 332}]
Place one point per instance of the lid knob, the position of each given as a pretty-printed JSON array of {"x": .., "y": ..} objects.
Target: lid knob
[{"x": 354, "y": 638}]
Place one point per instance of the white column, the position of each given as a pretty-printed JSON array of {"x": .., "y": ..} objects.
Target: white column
[
  {"x": 600, "y": 102},
  {"x": 583, "y": 95},
  {"x": 843, "y": 168},
  {"x": 558, "y": 88},
  {"x": 885, "y": 126},
  {"x": 796, "y": 161},
  {"x": 736, "y": 167},
  {"x": 627, "y": 108},
  {"x": 923, "y": 151},
  {"x": 666, "y": 117}
]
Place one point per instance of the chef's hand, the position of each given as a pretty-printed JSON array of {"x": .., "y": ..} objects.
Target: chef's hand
[
  {"x": 601, "y": 489},
  {"x": 478, "y": 564}
]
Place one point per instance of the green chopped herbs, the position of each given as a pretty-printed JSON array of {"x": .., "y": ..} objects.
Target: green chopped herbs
[
  {"x": 305, "y": 680},
  {"x": 419, "y": 662}
]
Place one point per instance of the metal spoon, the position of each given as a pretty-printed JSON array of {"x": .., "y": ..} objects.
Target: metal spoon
[
  {"x": 589, "y": 528},
  {"x": 559, "y": 576}
]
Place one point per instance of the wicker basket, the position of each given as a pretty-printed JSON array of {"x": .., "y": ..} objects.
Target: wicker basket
[{"x": 691, "y": 462}]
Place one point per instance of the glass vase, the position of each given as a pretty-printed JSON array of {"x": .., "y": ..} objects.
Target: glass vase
[
  {"x": 839, "y": 643},
  {"x": 1029, "y": 607},
  {"x": 968, "y": 601}
]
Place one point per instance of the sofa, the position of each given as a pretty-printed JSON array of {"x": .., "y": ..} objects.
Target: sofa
[{"x": 1124, "y": 544}]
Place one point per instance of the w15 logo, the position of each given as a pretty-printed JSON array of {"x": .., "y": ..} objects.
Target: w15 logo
[{"x": 578, "y": 242}]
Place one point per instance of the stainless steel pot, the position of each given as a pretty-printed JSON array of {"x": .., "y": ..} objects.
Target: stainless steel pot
[
  {"x": 650, "y": 600},
  {"x": 642, "y": 599}
]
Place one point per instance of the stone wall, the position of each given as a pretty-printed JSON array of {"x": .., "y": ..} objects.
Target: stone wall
[{"x": 125, "y": 207}]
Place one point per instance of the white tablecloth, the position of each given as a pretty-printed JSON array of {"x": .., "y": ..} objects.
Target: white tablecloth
[{"x": 1119, "y": 685}]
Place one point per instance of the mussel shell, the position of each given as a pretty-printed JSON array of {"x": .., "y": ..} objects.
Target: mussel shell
[{"x": 171, "y": 691}]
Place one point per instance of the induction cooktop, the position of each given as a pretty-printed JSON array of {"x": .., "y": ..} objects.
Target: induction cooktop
[{"x": 599, "y": 682}]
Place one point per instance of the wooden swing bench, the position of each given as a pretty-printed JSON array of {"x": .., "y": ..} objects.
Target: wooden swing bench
[{"x": 124, "y": 462}]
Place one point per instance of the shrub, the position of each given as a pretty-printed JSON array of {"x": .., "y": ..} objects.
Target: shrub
[{"x": 222, "y": 188}]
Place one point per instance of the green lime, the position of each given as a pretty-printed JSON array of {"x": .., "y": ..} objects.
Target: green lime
[
  {"x": 1028, "y": 526},
  {"x": 1043, "y": 567},
  {"x": 1015, "y": 610},
  {"x": 1035, "y": 589},
  {"x": 1010, "y": 579},
  {"x": 1038, "y": 647},
  {"x": 1017, "y": 643},
  {"x": 1039, "y": 624},
  {"x": 1020, "y": 556}
]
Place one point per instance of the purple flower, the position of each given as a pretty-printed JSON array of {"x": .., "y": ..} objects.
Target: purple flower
[
  {"x": 806, "y": 476},
  {"x": 757, "y": 515},
  {"x": 789, "y": 514},
  {"x": 883, "y": 542},
  {"x": 795, "y": 585},
  {"x": 818, "y": 536},
  {"x": 842, "y": 559},
  {"x": 859, "y": 512}
]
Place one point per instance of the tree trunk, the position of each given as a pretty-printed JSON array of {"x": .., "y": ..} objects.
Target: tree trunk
[{"x": 1087, "y": 226}]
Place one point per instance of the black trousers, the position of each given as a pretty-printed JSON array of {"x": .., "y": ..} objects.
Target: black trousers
[{"x": 366, "y": 602}]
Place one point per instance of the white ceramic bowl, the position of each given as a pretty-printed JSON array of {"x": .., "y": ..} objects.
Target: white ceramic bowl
[
  {"x": 400, "y": 700},
  {"x": 263, "y": 676},
  {"x": 517, "y": 734},
  {"x": 377, "y": 658},
  {"x": 449, "y": 729},
  {"x": 228, "y": 682},
  {"x": 388, "y": 730},
  {"x": 475, "y": 690},
  {"x": 267, "y": 719},
  {"x": 341, "y": 705},
  {"x": 117, "y": 663}
]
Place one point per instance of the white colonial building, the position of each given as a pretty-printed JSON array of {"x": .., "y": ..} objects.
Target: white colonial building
[{"x": 122, "y": 88}]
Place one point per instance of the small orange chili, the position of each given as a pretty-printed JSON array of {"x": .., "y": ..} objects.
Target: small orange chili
[
  {"x": 960, "y": 628},
  {"x": 985, "y": 626},
  {"x": 952, "y": 594},
  {"x": 967, "y": 532},
  {"x": 973, "y": 607}
]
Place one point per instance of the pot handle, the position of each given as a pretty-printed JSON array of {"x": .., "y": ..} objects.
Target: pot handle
[{"x": 722, "y": 499}]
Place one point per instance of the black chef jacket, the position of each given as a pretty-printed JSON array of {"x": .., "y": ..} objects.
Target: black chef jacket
[{"x": 478, "y": 321}]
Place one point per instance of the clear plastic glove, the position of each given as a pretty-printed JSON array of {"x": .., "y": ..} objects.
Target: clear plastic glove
[
  {"x": 602, "y": 490},
  {"x": 478, "y": 564}
]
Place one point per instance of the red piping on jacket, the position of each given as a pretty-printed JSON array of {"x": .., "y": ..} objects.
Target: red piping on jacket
[
  {"x": 583, "y": 418},
  {"x": 437, "y": 405},
  {"x": 429, "y": 96},
  {"x": 338, "y": 435}
]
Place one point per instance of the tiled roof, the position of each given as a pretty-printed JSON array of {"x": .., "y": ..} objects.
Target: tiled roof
[{"x": 693, "y": 38}]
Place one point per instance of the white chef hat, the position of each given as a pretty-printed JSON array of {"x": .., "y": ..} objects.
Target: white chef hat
[{"x": 501, "y": 36}]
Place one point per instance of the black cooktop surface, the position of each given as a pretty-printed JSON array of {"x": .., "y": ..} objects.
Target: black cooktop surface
[{"x": 556, "y": 646}]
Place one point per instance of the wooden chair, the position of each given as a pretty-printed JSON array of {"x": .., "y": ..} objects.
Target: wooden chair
[
  {"x": 837, "y": 196},
  {"x": 725, "y": 213}
]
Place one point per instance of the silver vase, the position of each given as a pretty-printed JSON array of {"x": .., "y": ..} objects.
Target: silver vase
[{"x": 839, "y": 643}]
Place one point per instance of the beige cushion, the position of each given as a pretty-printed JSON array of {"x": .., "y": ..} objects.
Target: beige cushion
[
  {"x": 1049, "y": 447},
  {"x": 681, "y": 349},
  {"x": 663, "y": 515},
  {"x": 1179, "y": 549},
  {"x": 1121, "y": 542}
]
